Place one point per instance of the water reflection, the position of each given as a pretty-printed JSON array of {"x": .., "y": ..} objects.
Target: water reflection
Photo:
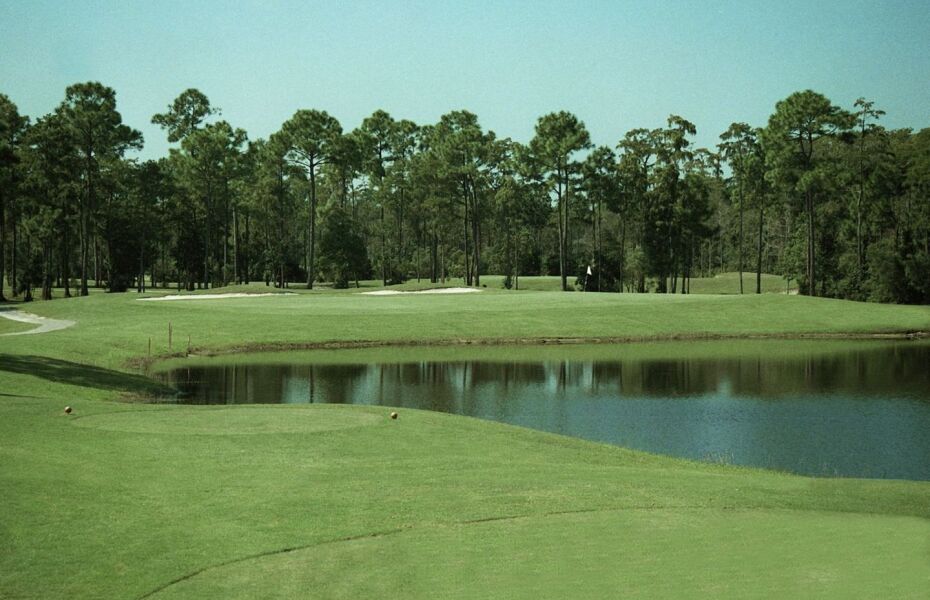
[{"x": 856, "y": 412}]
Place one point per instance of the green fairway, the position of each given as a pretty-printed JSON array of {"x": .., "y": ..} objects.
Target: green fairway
[
  {"x": 113, "y": 328},
  {"x": 124, "y": 499}
]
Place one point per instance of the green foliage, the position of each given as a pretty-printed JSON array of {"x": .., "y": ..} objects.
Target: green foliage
[
  {"x": 806, "y": 197},
  {"x": 185, "y": 115},
  {"x": 558, "y": 137},
  {"x": 342, "y": 249}
]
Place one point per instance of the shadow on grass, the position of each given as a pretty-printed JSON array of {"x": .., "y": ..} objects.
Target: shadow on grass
[{"x": 71, "y": 373}]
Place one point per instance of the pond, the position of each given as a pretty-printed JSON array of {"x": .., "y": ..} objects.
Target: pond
[{"x": 851, "y": 409}]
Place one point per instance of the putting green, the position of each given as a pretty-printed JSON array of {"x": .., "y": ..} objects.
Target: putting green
[
  {"x": 638, "y": 553},
  {"x": 226, "y": 420}
]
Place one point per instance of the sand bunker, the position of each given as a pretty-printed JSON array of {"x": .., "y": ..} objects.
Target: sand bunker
[
  {"x": 451, "y": 290},
  {"x": 214, "y": 296},
  {"x": 44, "y": 323}
]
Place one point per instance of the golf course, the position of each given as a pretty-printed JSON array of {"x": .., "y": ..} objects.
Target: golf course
[
  {"x": 129, "y": 496},
  {"x": 464, "y": 300}
]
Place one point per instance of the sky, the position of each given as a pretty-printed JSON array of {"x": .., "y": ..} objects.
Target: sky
[{"x": 616, "y": 64}]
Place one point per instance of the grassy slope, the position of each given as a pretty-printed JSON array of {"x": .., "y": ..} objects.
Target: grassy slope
[{"x": 120, "y": 499}]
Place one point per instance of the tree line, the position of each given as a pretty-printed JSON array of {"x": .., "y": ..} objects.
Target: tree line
[{"x": 824, "y": 196}]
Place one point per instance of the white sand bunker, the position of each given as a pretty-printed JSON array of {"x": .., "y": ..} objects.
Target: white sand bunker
[
  {"x": 214, "y": 296},
  {"x": 451, "y": 290},
  {"x": 44, "y": 323}
]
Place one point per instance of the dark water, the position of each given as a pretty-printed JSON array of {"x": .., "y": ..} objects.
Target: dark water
[{"x": 855, "y": 412}]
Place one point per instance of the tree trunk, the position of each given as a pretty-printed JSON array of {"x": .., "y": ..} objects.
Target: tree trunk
[
  {"x": 66, "y": 260},
  {"x": 311, "y": 267},
  {"x": 759, "y": 252},
  {"x": 140, "y": 287},
  {"x": 622, "y": 253},
  {"x": 247, "y": 259},
  {"x": 46, "y": 270},
  {"x": 516, "y": 269},
  {"x": 466, "y": 256},
  {"x": 476, "y": 236},
  {"x": 98, "y": 278},
  {"x": 225, "y": 232},
  {"x": 597, "y": 243},
  {"x": 82, "y": 217},
  {"x": 384, "y": 280},
  {"x": 206, "y": 248},
  {"x": 741, "y": 235},
  {"x": 2, "y": 244},
  {"x": 400, "y": 231},
  {"x": 560, "y": 202},
  {"x": 416, "y": 259},
  {"x": 811, "y": 271},
  {"x": 432, "y": 257},
  {"x": 27, "y": 282},
  {"x": 859, "y": 248},
  {"x": 566, "y": 244},
  {"x": 237, "y": 276}
]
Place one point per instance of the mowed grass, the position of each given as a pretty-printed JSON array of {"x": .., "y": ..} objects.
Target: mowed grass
[
  {"x": 112, "y": 328},
  {"x": 677, "y": 553},
  {"x": 9, "y": 326},
  {"x": 324, "y": 501},
  {"x": 121, "y": 500}
]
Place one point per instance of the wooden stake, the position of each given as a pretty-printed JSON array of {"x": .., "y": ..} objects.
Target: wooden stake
[{"x": 169, "y": 336}]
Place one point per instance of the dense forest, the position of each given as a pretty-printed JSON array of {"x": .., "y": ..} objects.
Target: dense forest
[{"x": 824, "y": 196}]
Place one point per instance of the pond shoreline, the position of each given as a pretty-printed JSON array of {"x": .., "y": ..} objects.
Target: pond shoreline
[
  {"x": 146, "y": 363},
  {"x": 860, "y": 409}
]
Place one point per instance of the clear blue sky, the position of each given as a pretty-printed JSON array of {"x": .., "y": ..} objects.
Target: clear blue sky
[{"x": 615, "y": 64}]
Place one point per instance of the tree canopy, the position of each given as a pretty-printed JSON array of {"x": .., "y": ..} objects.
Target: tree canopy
[{"x": 824, "y": 196}]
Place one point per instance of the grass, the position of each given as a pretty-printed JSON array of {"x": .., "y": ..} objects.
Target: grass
[
  {"x": 112, "y": 328},
  {"x": 533, "y": 283},
  {"x": 699, "y": 552},
  {"x": 728, "y": 283},
  {"x": 121, "y": 499},
  {"x": 8, "y": 326}
]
